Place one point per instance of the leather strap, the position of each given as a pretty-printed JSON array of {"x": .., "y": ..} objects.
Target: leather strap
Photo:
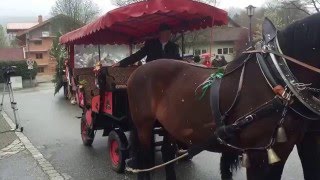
[
  {"x": 260, "y": 112},
  {"x": 215, "y": 102},
  {"x": 224, "y": 132},
  {"x": 266, "y": 71},
  {"x": 215, "y": 98},
  {"x": 307, "y": 66}
]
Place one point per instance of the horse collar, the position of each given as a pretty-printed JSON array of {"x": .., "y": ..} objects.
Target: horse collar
[{"x": 298, "y": 89}]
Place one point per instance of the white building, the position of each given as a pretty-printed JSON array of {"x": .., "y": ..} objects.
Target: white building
[{"x": 224, "y": 41}]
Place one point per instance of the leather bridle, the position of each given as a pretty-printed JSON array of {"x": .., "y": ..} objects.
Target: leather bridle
[
  {"x": 280, "y": 102},
  {"x": 302, "y": 64}
]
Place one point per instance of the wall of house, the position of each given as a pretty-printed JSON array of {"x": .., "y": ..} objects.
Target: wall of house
[
  {"x": 56, "y": 24},
  {"x": 37, "y": 33},
  {"x": 229, "y": 55},
  {"x": 45, "y": 45},
  {"x": 205, "y": 48},
  {"x": 46, "y": 64}
]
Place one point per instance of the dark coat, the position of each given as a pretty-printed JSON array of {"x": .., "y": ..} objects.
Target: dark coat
[
  {"x": 219, "y": 63},
  {"x": 153, "y": 50}
]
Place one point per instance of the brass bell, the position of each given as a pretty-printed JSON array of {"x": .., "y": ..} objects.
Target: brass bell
[
  {"x": 272, "y": 156},
  {"x": 245, "y": 160},
  {"x": 281, "y": 135}
]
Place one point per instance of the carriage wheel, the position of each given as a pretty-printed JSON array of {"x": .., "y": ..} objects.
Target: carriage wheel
[
  {"x": 117, "y": 143},
  {"x": 87, "y": 132}
]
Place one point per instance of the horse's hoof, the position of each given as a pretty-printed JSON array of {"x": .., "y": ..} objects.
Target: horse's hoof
[
  {"x": 131, "y": 163},
  {"x": 181, "y": 152}
]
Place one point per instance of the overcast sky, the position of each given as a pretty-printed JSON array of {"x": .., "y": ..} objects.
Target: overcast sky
[{"x": 29, "y": 8}]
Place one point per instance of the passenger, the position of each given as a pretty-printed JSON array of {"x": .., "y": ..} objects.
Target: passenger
[
  {"x": 196, "y": 59},
  {"x": 219, "y": 61},
  {"x": 158, "y": 48},
  {"x": 207, "y": 61}
]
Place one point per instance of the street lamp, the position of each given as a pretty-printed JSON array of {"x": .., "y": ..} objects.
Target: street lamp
[{"x": 250, "y": 13}]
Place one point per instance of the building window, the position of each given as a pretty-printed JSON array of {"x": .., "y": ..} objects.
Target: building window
[
  {"x": 39, "y": 56},
  {"x": 204, "y": 51},
  {"x": 225, "y": 50},
  {"x": 40, "y": 69},
  {"x": 37, "y": 42},
  {"x": 197, "y": 52},
  {"x": 45, "y": 34},
  {"x": 219, "y": 51},
  {"x": 230, "y": 50}
]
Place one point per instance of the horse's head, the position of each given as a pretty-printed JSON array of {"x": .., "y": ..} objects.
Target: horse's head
[{"x": 301, "y": 40}]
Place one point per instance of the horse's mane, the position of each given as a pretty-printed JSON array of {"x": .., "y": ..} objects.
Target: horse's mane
[
  {"x": 236, "y": 62},
  {"x": 302, "y": 38}
]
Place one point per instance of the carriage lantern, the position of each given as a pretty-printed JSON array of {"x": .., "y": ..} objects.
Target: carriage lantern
[{"x": 250, "y": 13}]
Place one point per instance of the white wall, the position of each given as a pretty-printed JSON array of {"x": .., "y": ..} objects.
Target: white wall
[{"x": 214, "y": 49}]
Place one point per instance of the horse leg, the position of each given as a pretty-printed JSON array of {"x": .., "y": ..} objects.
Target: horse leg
[
  {"x": 309, "y": 153},
  {"x": 260, "y": 169},
  {"x": 266, "y": 172},
  {"x": 168, "y": 153},
  {"x": 228, "y": 163},
  {"x": 142, "y": 150}
]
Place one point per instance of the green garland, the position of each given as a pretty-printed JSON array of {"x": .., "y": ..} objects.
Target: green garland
[{"x": 208, "y": 82}]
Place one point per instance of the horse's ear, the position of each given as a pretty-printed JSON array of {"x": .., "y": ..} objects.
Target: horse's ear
[{"x": 269, "y": 31}]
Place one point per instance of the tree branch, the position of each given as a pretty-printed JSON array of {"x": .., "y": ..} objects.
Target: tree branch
[
  {"x": 315, "y": 5},
  {"x": 79, "y": 10},
  {"x": 299, "y": 7}
]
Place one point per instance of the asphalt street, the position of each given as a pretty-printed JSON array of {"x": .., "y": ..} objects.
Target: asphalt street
[{"x": 51, "y": 125}]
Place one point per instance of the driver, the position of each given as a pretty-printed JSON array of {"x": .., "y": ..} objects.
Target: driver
[{"x": 158, "y": 48}]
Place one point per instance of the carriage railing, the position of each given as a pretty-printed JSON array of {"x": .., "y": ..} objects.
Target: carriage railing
[
  {"x": 118, "y": 76},
  {"x": 115, "y": 77}
]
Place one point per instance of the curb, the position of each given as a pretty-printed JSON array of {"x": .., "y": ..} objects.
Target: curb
[
  {"x": 45, "y": 165},
  {"x": 15, "y": 147}
]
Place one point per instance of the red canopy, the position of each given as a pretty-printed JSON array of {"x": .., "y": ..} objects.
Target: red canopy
[{"x": 139, "y": 21}]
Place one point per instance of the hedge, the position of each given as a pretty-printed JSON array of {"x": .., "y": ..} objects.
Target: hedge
[{"x": 20, "y": 70}]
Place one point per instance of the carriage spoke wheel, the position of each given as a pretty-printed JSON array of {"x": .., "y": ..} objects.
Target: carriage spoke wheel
[
  {"x": 114, "y": 152},
  {"x": 87, "y": 133},
  {"x": 117, "y": 143}
]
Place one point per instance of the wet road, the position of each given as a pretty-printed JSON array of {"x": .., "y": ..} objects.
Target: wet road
[{"x": 50, "y": 124}]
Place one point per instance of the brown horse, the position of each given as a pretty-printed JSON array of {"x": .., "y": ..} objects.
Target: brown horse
[
  {"x": 163, "y": 91},
  {"x": 301, "y": 41}
]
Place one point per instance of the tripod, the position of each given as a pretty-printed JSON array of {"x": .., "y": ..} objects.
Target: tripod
[{"x": 8, "y": 86}]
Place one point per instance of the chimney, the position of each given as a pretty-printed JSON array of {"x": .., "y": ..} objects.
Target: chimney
[{"x": 40, "y": 19}]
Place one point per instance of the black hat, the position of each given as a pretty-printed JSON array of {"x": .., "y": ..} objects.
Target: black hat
[{"x": 164, "y": 27}]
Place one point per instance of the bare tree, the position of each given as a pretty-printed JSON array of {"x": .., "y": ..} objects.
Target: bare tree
[
  {"x": 211, "y": 2},
  {"x": 285, "y": 13},
  {"x": 3, "y": 38},
  {"x": 280, "y": 13},
  {"x": 306, "y": 6},
  {"x": 82, "y": 11},
  {"x": 126, "y": 2}
]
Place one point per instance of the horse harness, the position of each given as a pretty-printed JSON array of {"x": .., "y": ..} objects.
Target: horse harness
[{"x": 288, "y": 90}]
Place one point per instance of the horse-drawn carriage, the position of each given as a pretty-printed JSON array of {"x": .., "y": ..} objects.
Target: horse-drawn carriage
[
  {"x": 260, "y": 100},
  {"x": 101, "y": 90}
]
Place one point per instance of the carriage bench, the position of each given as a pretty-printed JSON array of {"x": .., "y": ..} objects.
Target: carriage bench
[{"x": 117, "y": 77}]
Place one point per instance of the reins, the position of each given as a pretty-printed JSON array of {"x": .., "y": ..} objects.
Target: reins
[{"x": 305, "y": 65}]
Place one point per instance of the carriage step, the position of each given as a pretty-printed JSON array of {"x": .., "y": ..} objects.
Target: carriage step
[
  {"x": 158, "y": 143},
  {"x": 158, "y": 130}
]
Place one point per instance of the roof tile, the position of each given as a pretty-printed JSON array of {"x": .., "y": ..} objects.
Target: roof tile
[
  {"x": 11, "y": 54},
  {"x": 20, "y": 26}
]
